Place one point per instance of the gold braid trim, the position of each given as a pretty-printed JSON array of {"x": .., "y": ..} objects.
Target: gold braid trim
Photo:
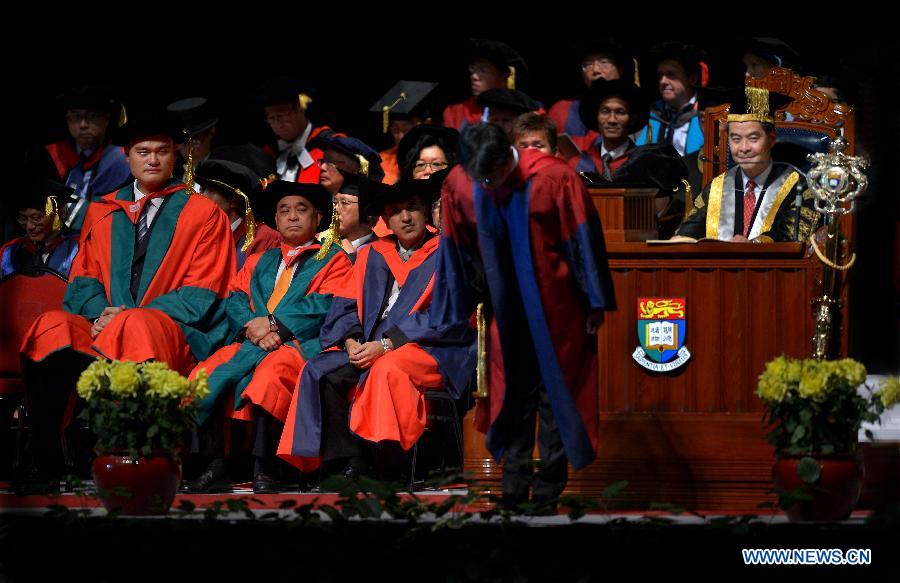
[
  {"x": 828, "y": 262},
  {"x": 332, "y": 235},
  {"x": 714, "y": 204}
]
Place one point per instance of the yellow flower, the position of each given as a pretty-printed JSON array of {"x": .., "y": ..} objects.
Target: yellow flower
[
  {"x": 91, "y": 380},
  {"x": 124, "y": 379},
  {"x": 164, "y": 382},
  {"x": 776, "y": 380},
  {"x": 890, "y": 392},
  {"x": 851, "y": 371},
  {"x": 201, "y": 385},
  {"x": 814, "y": 380}
]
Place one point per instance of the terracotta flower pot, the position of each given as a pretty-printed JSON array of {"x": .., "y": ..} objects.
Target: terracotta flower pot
[
  {"x": 142, "y": 487},
  {"x": 834, "y": 494}
]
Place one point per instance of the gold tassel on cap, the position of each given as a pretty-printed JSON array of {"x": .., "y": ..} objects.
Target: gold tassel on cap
[
  {"x": 511, "y": 80},
  {"x": 332, "y": 235},
  {"x": 363, "y": 165},
  {"x": 637, "y": 75},
  {"x": 386, "y": 112},
  {"x": 688, "y": 198},
  {"x": 757, "y": 106},
  {"x": 189, "y": 167},
  {"x": 482, "y": 390},
  {"x": 304, "y": 100},
  {"x": 51, "y": 210},
  {"x": 123, "y": 115},
  {"x": 249, "y": 219}
]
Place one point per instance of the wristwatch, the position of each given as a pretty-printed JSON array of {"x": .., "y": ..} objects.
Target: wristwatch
[
  {"x": 273, "y": 325},
  {"x": 385, "y": 345}
]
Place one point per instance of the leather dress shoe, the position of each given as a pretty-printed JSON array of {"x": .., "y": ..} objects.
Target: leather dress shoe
[
  {"x": 356, "y": 468},
  {"x": 207, "y": 483},
  {"x": 265, "y": 484}
]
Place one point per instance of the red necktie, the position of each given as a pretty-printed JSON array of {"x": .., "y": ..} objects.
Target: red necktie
[{"x": 749, "y": 206}]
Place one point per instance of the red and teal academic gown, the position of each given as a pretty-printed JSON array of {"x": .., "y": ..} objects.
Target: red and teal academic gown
[
  {"x": 267, "y": 379},
  {"x": 465, "y": 113},
  {"x": 104, "y": 171},
  {"x": 265, "y": 238},
  {"x": 178, "y": 316},
  {"x": 564, "y": 114},
  {"x": 388, "y": 402},
  {"x": 21, "y": 253},
  {"x": 537, "y": 244},
  {"x": 310, "y": 174}
]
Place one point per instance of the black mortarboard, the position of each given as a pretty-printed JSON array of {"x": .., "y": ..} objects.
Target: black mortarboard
[
  {"x": 195, "y": 113},
  {"x": 405, "y": 100}
]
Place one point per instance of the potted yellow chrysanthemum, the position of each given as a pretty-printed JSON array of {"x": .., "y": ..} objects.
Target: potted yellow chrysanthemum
[
  {"x": 140, "y": 414},
  {"x": 815, "y": 410}
]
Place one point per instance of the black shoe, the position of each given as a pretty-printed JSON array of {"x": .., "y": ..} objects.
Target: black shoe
[
  {"x": 356, "y": 468},
  {"x": 207, "y": 483},
  {"x": 265, "y": 484},
  {"x": 34, "y": 483}
]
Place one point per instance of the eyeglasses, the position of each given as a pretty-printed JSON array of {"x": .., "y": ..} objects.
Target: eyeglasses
[
  {"x": 480, "y": 70},
  {"x": 607, "y": 112},
  {"x": 601, "y": 63},
  {"x": 88, "y": 116},
  {"x": 437, "y": 165},
  {"x": 329, "y": 163},
  {"x": 344, "y": 203},
  {"x": 36, "y": 221}
]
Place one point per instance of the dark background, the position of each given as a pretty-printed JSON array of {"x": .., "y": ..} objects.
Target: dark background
[{"x": 353, "y": 54}]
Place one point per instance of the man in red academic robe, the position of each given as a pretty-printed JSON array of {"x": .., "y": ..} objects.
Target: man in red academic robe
[
  {"x": 148, "y": 283},
  {"x": 380, "y": 352},
  {"x": 276, "y": 308},
  {"x": 521, "y": 235}
]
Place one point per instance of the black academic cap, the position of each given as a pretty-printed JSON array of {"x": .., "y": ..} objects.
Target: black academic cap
[
  {"x": 195, "y": 113},
  {"x": 508, "y": 99},
  {"x": 92, "y": 98},
  {"x": 500, "y": 54},
  {"x": 280, "y": 90},
  {"x": 148, "y": 124},
  {"x": 772, "y": 49},
  {"x": 405, "y": 100},
  {"x": 446, "y": 138},
  {"x": 249, "y": 155},
  {"x": 230, "y": 175},
  {"x": 756, "y": 104},
  {"x": 373, "y": 199},
  {"x": 32, "y": 193},
  {"x": 656, "y": 165},
  {"x": 354, "y": 148},
  {"x": 690, "y": 57},
  {"x": 602, "y": 89},
  {"x": 314, "y": 193},
  {"x": 619, "y": 55}
]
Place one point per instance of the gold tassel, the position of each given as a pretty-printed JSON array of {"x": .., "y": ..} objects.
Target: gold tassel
[
  {"x": 123, "y": 115},
  {"x": 386, "y": 112},
  {"x": 189, "y": 170},
  {"x": 649, "y": 135},
  {"x": 304, "y": 101},
  {"x": 482, "y": 391},
  {"x": 249, "y": 220},
  {"x": 511, "y": 81},
  {"x": 363, "y": 165},
  {"x": 332, "y": 235},
  {"x": 51, "y": 209},
  {"x": 688, "y": 198},
  {"x": 637, "y": 76},
  {"x": 758, "y": 102}
]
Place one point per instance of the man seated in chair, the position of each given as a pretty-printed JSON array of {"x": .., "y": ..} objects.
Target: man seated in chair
[
  {"x": 40, "y": 210},
  {"x": 758, "y": 199},
  {"x": 367, "y": 386},
  {"x": 148, "y": 283},
  {"x": 276, "y": 308}
]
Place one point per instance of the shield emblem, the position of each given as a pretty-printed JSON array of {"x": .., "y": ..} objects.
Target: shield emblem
[{"x": 661, "y": 328}]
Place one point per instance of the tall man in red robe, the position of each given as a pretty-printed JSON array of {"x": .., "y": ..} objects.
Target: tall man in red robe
[
  {"x": 148, "y": 283},
  {"x": 520, "y": 235}
]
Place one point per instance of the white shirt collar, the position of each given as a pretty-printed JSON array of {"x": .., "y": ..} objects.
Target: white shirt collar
[
  {"x": 362, "y": 240},
  {"x": 297, "y": 145},
  {"x": 138, "y": 195},
  {"x": 236, "y": 224},
  {"x": 759, "y": 180},
  {"x": 618, "y": 152}
]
